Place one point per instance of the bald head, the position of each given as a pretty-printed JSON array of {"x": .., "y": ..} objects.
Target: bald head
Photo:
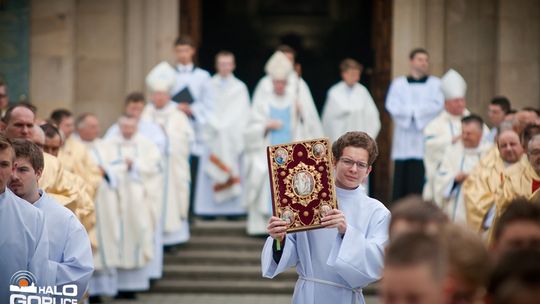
[
  {"x": 128, "y": 126},
  {"x": 87, "y": 126},
  {"x": 509, "y": 145},
  {"x": 38, "y": 136},
  {"x": 19, "y": 122}
]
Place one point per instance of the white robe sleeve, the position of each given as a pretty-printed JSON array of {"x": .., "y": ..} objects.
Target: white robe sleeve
[
  {"x": 77, "y": 265},
  {"x": 289, "y": 257},
  {"x": 38, "y": 261},
  {"x": 203, "y": 107},
  {"x": 429, "y": 108},
  {"x": 443, "y": 181},
  {"x": 372, "y": 114},
  {"x": 358, "y": 257},
  {"x": 397, "y": 106}
]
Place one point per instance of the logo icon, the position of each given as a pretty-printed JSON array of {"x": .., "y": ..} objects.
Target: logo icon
[{"x": 23, "y": 281}]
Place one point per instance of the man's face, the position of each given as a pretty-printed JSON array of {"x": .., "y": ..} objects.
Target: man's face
[
  {"x": 225, "y": 65},
  {"x": 160, "y": 99},
  {"x": 184, "y": 54},
  {"x": 21, "y": 124},
  {"x": 518, "y": 235},
  {"x": 410, "y": 285},
  {"x": 290, "y": 56},
  {"x": 471, "y": 134},
  {"x": 24, "y": 180},
  {"x": 4, "y": 97},
  {"x": 352, "y": 167},
  {"x": 455, "y": 106},
  {"x": 351, "y": 76},
  {"x": 6, "y": 167},
  {"x": 135, "y": 109},
  {"x": 495, "y": 115},
  {"x": 128, "y": 127},
  {"x": 279, "y": 87},
  {"x": 90, "y": 129},
  {"x": 67, "y": 126},
  {"x": 52, "y": 145},
  {"x": 420, "y": 63},
  {"x": 510, "y": 148},
  {"x": 534, "y": 155}
]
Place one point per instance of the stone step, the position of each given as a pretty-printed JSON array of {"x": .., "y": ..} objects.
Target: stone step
[
  {"x": 214, "y": 257},
  {"x": 221, "y": 272},
  {"x": 223, "y": 286},
  {"x": 218, "y": 228},
  {"x": 224, "y": 243}
]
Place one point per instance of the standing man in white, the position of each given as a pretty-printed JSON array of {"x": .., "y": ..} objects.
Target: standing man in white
[
  {"x": 349, "y": 106},
  {"x": 220, "y": 184},
  {"x": 412, "y": 101},
  {"x": 334, "y": 263}
]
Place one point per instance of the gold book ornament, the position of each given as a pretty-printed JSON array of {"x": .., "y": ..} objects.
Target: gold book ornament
[{"x": 302, "y": 182}]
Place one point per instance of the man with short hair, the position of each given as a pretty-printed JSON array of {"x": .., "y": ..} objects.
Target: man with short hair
[
  {"x": 498, "y": 108},
  {"x": 412, "y": 213},
  {"x": 457, "y": 162},
  {"x": 53, "y": 139},
  {"x": 483, "y": 186},
  {"x": 412, "y": 101},
  {"x": 220, "y": 185},
  {"x": 70, "y": 255},
  {"x": 445, "y": 129},
  {"x": 349, "y": 106},
  {"x": 23, "y": 236},
  {"x": 415, "y": 270},
  {"x": 517, "y": 228},
  {"x": 335, "y": 262}
]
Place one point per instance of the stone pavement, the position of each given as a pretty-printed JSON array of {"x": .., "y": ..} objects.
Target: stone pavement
[{"x": 216, "y": 299}]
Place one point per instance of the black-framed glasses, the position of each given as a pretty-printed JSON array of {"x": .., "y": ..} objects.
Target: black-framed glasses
[{"x": 349, "y": 163}]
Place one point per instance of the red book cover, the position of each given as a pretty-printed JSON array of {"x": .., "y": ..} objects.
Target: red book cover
[{"x": 302, "y": 182}]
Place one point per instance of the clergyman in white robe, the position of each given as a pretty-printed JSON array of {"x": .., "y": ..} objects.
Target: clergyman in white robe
[
  {"x": 176, "y": 183},
  {"x": 24, "y": 240},
  {"x": 447, "y": 192},
  {"x": 70, "y": 254},
  {"x": 350, "y": 109},
  {"x": 219, "y": 182},
  {"x": 331, "y": 268}
]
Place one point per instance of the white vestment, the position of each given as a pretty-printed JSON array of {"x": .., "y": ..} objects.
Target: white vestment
[
  {"x": 23, "y": 243},
  {"x": 264, "y": 108},
  {"x": 198, "y": 82},
  {"x": 219, "y": 183},
  {"x": 350, "y": 109},
  {"x": 332, "y": 268},
  {"x": 412, "y": 106},
  {"x": 69, "y": 246},
  {"x": 147, "y": 129},
  {"x": 447, "y": 193},
  {"x": 174, "y": 211}
]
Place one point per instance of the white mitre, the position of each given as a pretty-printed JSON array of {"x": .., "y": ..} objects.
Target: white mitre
[
  {"x": 278, "y": 67},
  {"x": 161, "y": 78},
  {"x": 453, "y": 85}
]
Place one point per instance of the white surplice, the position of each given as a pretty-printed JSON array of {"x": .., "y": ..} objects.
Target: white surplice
[
  {"x": 350, "y": 109},
  {"x": 332, "y": 268},
  {"x": 219, "y": 182}
]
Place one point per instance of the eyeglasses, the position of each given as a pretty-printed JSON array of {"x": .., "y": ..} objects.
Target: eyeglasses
[{"x": 349, "y": 163}]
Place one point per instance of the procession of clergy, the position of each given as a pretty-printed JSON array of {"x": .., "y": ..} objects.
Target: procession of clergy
[{"x": 200, "y": 142}]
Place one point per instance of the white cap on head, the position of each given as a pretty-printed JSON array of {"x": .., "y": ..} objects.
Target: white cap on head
[
  {"x": 453, "y": 85},
  {"x": 161, "y": 78},
  {"x": 279, "y": 67}
]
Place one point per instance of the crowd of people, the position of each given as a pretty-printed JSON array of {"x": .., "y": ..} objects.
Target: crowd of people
[{"x": 99, "y": 212}]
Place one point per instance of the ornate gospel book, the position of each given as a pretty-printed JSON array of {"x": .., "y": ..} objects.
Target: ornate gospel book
[{"x": 302, "y": 182}]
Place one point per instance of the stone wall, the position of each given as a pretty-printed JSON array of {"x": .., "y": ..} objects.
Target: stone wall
[
  {"x": 495, "y": 45},
  {"x": 86, "y": 55}
]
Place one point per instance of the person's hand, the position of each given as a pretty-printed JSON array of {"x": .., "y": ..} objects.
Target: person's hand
[
  {"x": 335, "y": 219},
  {"x": 462, "y": 176},
  {"x": 274, "y": 124},
  {"x": 456, "y": 138},
  {"x": 129, "y": 163},
  {"x": 186, "y": 108},
  {"x": 277, "y": 228}
]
